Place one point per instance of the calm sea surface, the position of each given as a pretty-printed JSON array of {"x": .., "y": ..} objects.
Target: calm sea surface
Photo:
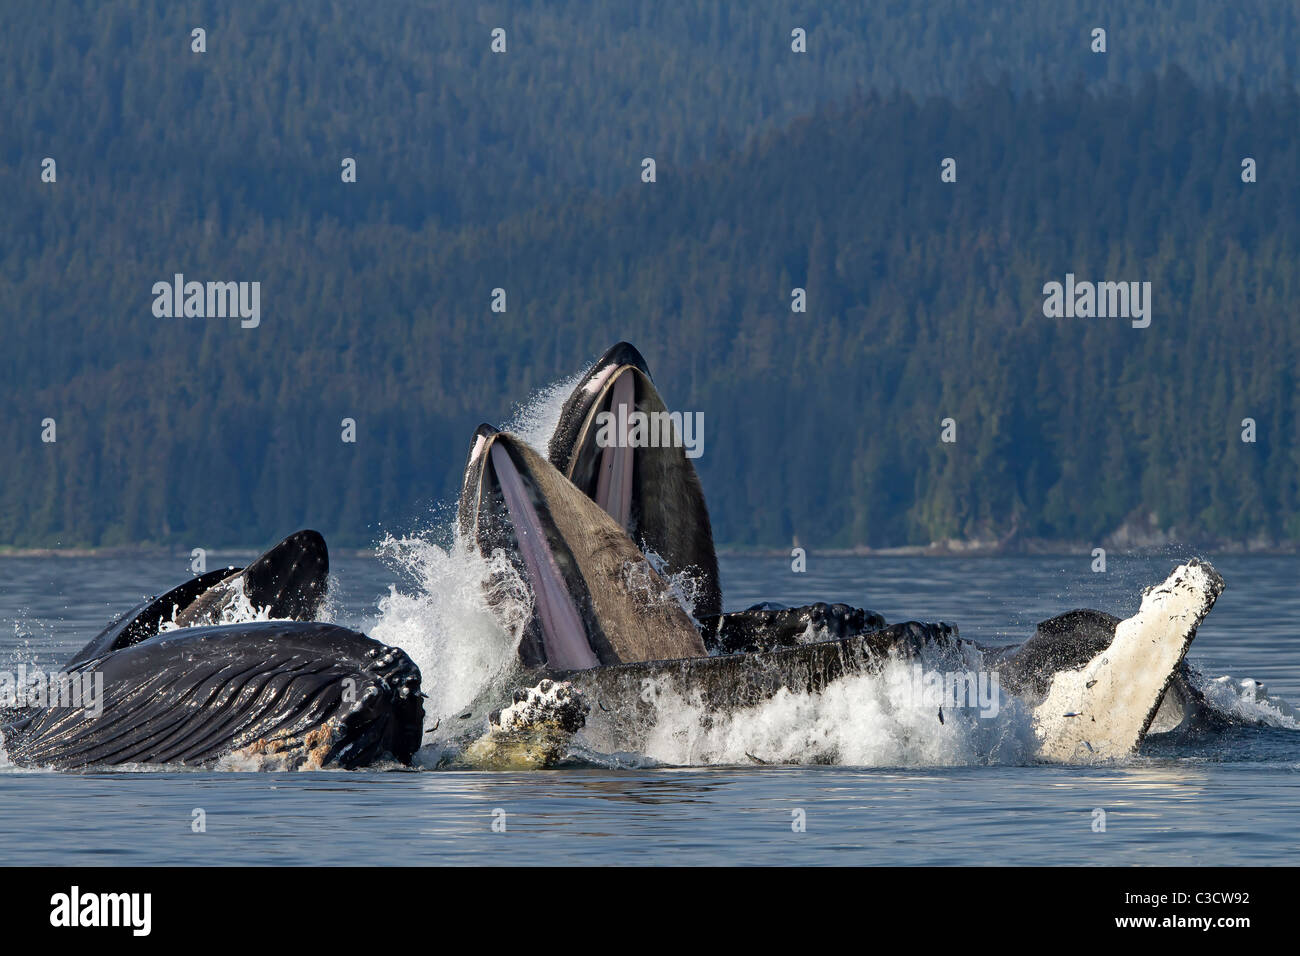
[{"x": 1231, "y": 799}]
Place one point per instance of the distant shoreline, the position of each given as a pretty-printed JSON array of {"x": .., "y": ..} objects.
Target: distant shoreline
[
  {"x": 151, "y": 551},
  {"x": 946, "y": 549},
  {"x": 1033, "y": 546}
]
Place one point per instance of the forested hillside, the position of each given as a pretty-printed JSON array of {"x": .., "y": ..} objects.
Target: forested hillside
[{"x": 521, "y": 172}]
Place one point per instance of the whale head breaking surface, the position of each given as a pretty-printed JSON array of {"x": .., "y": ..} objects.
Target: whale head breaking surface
[
  {"x": 596, "y": 598},
  {"x": 644, "y": 480},
  {"x": 173, "y": 686}
]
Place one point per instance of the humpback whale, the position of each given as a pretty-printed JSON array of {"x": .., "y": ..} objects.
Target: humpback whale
[
  {"x": 1098, "y": 702},
  {"x": 180, "y": 686},
  {"x": 1094, "y": 701},
  {"x": 604, "y": 625}
]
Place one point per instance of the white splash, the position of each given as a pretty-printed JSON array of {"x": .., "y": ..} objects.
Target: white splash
[
  {"x": 684, "y": 586},
  {"x": 1246, "y": 700},
  {"x": 867, "y": 720},
  {"x": 460, "y": 642},
  {"x": 241, "y": 611},
  {"x": 535, "y": 418}
]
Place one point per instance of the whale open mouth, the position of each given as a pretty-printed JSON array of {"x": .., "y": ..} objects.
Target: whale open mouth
[
  {"x": 596, "y": 600},
  {"x": 601, "y": 459},
  {"x": 504, "y": 508},
  {"x": 287, "y": 582},
  {"x": 619, "y": 445}
]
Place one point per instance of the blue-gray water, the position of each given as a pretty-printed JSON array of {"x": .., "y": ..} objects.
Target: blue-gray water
[{"x": 1233, "y": 798}]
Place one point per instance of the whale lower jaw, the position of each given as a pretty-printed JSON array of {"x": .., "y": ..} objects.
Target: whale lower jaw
[{"x": 1103, "y": 710}]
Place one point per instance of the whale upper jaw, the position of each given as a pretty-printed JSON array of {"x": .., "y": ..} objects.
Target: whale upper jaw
[
  {"x": 1103, "y": 710},
  {"x": 585, "y": 394}
]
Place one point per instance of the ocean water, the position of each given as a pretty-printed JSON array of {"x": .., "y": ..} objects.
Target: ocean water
[{"x": 926, "y": 794}]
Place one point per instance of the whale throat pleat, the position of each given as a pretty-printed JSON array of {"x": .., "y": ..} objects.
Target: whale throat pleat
[
  {"x": 614, "y": 480},
  {"x": 563, "y": 633}
]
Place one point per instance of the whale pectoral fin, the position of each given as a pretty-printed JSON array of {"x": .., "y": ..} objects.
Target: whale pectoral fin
[
  {"x": 1103, "y": 709},
  {"x": 143, "y": 620},
  {"x": 288, "y": 582}
]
